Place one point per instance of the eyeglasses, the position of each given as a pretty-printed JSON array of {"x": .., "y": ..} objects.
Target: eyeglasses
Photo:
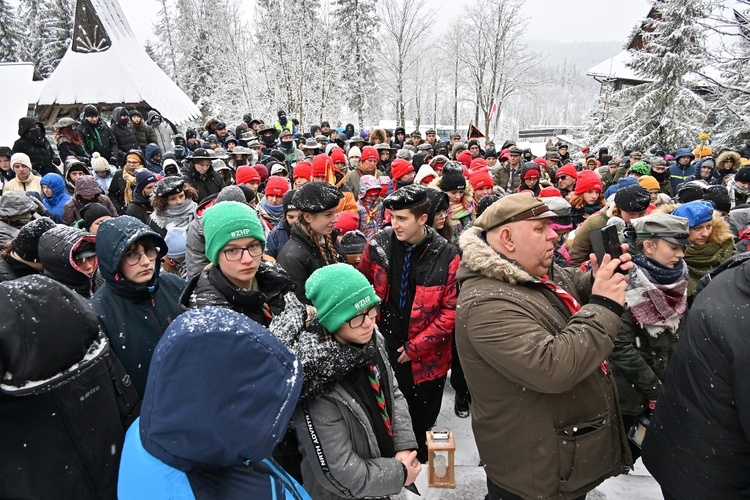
[
  {"x": 133, "y": 258},
  {"x": 234, "y": 254},
  {"x": 83, "y": 260},
  {"x": 441, "y": 214},
  {"x": 562, "y": 177},
  {"x": 359, "y": 319},
  {"x": 133, "y": 162}
]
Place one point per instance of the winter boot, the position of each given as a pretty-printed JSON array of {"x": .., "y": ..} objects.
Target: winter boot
[{"x": 461, "y": 405}]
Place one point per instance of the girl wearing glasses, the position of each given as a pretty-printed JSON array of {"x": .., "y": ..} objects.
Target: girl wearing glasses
[
  {"x": 136, "y": 303},
  {"x": 352, "y": 421},
  {"x": 238, "y": 278}
]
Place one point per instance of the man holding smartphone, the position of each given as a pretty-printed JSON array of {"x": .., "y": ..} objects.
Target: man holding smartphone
[{"x": 533, "y": 340}]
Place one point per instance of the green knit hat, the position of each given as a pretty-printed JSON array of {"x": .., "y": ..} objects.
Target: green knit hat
[
  {"x": 227, "y": 221},
  {"x": 339, "y": 292},
  {"x": 641, "y": 168}
]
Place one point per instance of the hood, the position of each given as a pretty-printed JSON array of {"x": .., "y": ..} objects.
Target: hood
[
  {"x": 87, "y": 186},
  {"x": 114, "y": 238},
  {"x": 116, "y": 114},
  {"x": 25, "y": 123},
  {"x": 56, "y": 248},
  {"x": 151, "y": 150},
  {"x": 152, "y": 114},
  {"x": 71, "y": 164},
  {"x": 215, "y": 375},
  {"x": 480, "y": 259},
  {"x": 55, "y": 182},
  {"x": 729, "y": 154},
  {"x": 38, "y": 355},
  {"x": 683, "y": 152},
  {"x": 16, "y": 203}
]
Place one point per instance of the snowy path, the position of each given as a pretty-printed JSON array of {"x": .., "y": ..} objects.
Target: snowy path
[{"x": 471, "y": 480}]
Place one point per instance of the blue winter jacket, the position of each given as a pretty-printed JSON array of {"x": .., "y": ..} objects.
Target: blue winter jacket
[
  {"x": 678, "y": 173},
  {"x": 278, "y": 237},
  {"x": 151, "y": 150},
  {"x": 221, "y": 392},
  {"x": 59, "y": 196}
]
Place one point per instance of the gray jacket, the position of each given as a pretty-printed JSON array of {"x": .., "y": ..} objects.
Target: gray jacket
[
  {"x": 164, "y": 135},
  {"x": 195, "y": 248},
  {"x": 342, "y": 455}
]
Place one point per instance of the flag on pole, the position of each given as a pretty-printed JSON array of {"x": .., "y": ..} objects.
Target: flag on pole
[
  {"x": 474, "y": 132},
  {"x": 493, "y": 112}
]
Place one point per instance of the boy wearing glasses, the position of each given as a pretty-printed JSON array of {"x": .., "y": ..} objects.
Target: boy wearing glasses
[
  {"x": 237, "y": 278},
  {"x": 413, "y": 270},
  {"x": 137, "y": 303}
]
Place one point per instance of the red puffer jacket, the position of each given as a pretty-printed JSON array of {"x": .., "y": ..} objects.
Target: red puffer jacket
[{"x": 433, "y": 311}]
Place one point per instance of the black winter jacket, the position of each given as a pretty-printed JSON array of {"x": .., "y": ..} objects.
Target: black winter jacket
[
  {"x": 698, "y": 442},
  {"x": 65, "y": 399},
  {"x": 39, "y": 149},
  {"x": 98, "y": 138},
  {"x": 299, "y": 258},
  {"x": 56, "y": 249},
  {"x": 212, "y": 288},
  {"x": 139, "y": 207},
  {"x": 134, "y": 317},
  {"x": 206, "y": 184},
  {"x": 65, "y": 148},
  {"x": 124, "y": 137}
]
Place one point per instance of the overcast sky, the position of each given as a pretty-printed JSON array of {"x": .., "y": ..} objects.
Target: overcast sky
[{"x": 549, "y": 20}]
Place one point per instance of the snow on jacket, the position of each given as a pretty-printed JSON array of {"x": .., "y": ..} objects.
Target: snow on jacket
[
  {"x": 88, "y": 187},
  {"x": 212, "y": 288},
  {"x": 335, "y": 434},
  {"x": 299, "y": 258},
  {"x": 65, "y": 400},
  {"x": 697, "y": 444},
  {"x": 221, "y": 392},
  {"x": 544, "y": 412},
  {"x": 98, "y": 138},
  {"x": 56, "y": 249},
  {"x": 206, "y": 184},
  {"x": 133, "y": 316},
  {"x": 433, "y": 312},
  {"x": 163, "y": 132},
  {"x": 37, "y": 147},
  {"x": 123, "y": 135},
  {"x": 59, "y": 196}
]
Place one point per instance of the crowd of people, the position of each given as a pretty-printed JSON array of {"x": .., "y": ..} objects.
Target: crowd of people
[{"x": 264, "y": 312}]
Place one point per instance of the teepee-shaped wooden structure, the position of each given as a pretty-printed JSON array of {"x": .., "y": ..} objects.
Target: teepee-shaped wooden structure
[{"x": 106, "y": 66}]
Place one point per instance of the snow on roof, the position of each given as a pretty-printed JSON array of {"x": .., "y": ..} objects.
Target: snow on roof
[
  {"x": 120, "y": 73},
  {"x": 17, "y": 91},
  {"x": 615, "y": 68}
]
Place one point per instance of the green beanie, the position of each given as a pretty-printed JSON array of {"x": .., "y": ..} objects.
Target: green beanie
[
  {"x": 641, "y": 168},
  {"x": 339, "y": 292},
  {"x": 227, "y": 221}
]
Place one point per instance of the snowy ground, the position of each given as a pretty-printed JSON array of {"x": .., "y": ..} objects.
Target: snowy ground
[{"x": 471, "y": 480}]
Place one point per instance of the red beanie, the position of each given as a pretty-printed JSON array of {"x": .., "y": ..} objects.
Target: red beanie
[
  {"x": 338, "y": 156},
  {"x": 480, "y": 179},
  {"x": 347, "y": 221},
  {"x": 504, "y": 155},
  {"x": 262, "y": 171},
  {"x": 401, "y": 167},
  {"x": 276, "y": 186},
  {"x": 550, "y": 192},
  {"x": 541, "y": 162},
  {"x": 320, "y": 165},
  {"x": 532, "y": 173},
  {"x": 246, "y": 174},
  {"x": 588, "y": 181},
  {"x": 464, "y": 157},
  {"x": 585, "y": 149},
  {"x": 369, "y": 153},
  {"x": 302, "y": 169},
  {"x": 478, "y": 164},
  {"x": 568, "y": 169}
]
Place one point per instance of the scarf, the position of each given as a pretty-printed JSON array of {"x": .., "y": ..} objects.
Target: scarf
[
  {"x": 702, "y": 259},
  {"x": 128, "y": 175},
  {"x": 733, "y": 188},
  {"x": 656, "y": 295},
  {"x": 370, "y": 210},
  {"x": 272, "y": 212},
  {"x": 175, "y": 215}
]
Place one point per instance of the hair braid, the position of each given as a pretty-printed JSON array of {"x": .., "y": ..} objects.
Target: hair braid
[{"x": 315, "y": 239}]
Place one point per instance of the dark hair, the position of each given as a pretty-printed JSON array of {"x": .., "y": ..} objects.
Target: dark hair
[
  {"x": 421, "y": 208},
  {"x": 159, "y": 203}
]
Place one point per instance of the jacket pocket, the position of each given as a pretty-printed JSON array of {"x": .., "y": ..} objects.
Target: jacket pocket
[{"x": 586, "y": 451}]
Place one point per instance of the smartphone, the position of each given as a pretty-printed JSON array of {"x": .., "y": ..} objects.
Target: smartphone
[{"x": 606, "y": 241}]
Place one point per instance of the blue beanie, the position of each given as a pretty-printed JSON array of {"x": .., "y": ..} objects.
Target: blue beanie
[
  {"x": 622, "y": 183},
  {"x": 696, "y": 212},
  {"x": 143, "y": 177},
  {"x": 175, "y": 239}
]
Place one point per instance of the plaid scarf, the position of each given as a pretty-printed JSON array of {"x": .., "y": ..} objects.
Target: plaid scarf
[{"x": 657, "y": 296}]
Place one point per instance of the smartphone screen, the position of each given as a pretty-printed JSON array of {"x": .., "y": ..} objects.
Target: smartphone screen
[{"x": 606, "y": 241}]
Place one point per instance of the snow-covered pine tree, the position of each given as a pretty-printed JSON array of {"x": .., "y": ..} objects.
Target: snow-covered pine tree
[
  {"x": 10, "y": 33},
  {"x": 355, "y": 39},
  {"x": 603, "y": 120},
  {"x": 165, "y": 50},
  {"x": 29, "y": 20},
  {"x": 56, "y": 21},
  {"x": 732, "y": 94},
  {"x": 667, "y": 111}
]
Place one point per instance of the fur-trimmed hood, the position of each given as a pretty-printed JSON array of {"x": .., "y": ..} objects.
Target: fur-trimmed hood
[
  {"x": 720, "y": 232},
  {"x": 726, "y": 155},
  {"x": 479, "y": 258},
  {"x": 468, "y": 191}
]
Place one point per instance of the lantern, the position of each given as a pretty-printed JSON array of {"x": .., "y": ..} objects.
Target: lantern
[{"x": 441, "y": 451}]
